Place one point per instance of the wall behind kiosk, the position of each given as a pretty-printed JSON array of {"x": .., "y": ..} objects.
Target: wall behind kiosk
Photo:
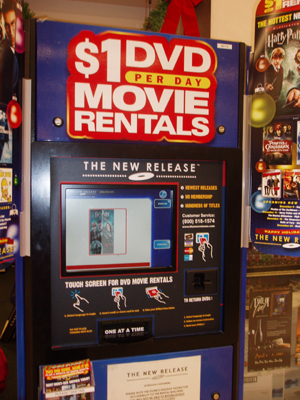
[{"x": 52, "y": 329}]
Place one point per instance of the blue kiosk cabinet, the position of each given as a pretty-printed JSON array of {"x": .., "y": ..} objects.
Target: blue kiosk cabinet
[{"x": 134, "y": 260}]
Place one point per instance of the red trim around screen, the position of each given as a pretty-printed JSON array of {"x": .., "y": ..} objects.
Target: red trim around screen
[{"x": 105, "y": 266}]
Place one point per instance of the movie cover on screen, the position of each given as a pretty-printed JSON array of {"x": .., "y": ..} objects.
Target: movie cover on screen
[{"x": 101, "y": 231}]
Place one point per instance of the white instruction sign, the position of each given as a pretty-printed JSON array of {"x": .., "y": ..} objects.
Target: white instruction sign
[{"x": 175, "y": 378}]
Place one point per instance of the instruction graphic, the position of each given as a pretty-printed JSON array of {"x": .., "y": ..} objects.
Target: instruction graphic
[
  {"x": 203, "y": 240},
  {"x": 118, "y": 296},
  {"x": 75, "y": 295},
  {"x": 155, "y": 293}
]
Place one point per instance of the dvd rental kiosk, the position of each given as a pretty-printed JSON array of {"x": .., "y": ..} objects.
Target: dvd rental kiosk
[{"x": 134, "y": 259}]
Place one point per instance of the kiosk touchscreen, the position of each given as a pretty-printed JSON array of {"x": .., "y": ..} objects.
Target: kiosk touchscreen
[{"x": 117, "y": 227}]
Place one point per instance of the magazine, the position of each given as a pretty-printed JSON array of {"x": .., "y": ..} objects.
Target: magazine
[{"x": 69, "y": 381}]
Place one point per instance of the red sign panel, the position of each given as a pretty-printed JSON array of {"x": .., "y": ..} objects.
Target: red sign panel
[
  {"x": 266, "y": 7},
  {"x": 139, "y": 87}
]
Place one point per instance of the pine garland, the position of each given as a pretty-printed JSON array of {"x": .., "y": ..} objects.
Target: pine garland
[
  {"x": 156, "y": 17},
  {"x": 27, "y": 13}
]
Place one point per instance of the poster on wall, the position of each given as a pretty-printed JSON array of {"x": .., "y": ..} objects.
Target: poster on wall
[
  {"x": 6, "y": 142},
  {"x": 11, "y": 47},
  {"x": 297, "y": 350},
  {"x": 274, "y": 119},
  {"x": 270, "y": 317}
]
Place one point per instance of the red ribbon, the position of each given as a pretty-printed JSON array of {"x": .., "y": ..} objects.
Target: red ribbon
[{"x": 185, "y": 9}]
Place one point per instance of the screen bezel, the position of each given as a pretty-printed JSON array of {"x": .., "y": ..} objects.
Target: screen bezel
[{"x": 117, "y": 271}]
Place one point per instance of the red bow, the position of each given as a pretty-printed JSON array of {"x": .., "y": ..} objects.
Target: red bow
[{"x": 185, "y": 8}]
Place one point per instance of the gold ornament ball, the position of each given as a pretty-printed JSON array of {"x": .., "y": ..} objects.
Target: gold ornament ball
[{"x": 262, "y": 111}]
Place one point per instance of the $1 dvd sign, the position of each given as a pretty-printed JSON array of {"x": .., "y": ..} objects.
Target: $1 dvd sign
[{"x": 140, "y": 87}]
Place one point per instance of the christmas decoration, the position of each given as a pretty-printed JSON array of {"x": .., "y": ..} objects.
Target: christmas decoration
[
  {"x": 156, "y": 16},
  {"x": 260, "y": 166},
  {"x": 14, "y": 113},
  {"x": 258, "y": 203},
  {"x": 186, "y": 10},
  {"x": 262, "y": 64},
  {"x": 263, "y": 108},
  {"x": 27, "y": 13}
]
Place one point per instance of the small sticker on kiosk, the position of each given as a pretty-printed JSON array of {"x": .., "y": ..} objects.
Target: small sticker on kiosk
[
  {"x": 124, "y": 331},
  {"x": 226, "y": 46}
]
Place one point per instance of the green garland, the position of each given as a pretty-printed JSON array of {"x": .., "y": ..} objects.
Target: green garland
[
  {"x": 156, "y": 17},
  {"x": 27, "y": 13},
  {"x": 152, "y": 23}
]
